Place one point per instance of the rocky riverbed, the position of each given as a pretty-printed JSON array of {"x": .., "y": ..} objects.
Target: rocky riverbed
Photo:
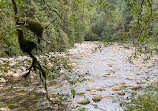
[
  {"x": 106, "y": 70},
  {"x": 112, "y": 75}
]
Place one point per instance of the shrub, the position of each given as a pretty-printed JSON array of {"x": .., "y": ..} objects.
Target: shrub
[{"x": 146, "y": 100}]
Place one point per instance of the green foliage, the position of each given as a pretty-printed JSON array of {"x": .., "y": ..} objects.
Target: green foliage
[
  {"x": 147, "y": 100},
  {"x": 64, "y": 24},
  {"x": 96, "y": 23},
  {"x": 1, "y": 68},
  {"x": 127, "y": 20},
  {"x": 73, "y": 92},
  {"x": 2, "y": 105},
  {"x": 82, "y": 109},
  {"x": 8, "y": 37},
  {"x": 77, "y": 20},
  {"x": 108, "y": 32}
]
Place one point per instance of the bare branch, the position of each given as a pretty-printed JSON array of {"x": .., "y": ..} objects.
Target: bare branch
[
  {"x": 51, "y": 22},
  {"x": 52, "y": 9}
]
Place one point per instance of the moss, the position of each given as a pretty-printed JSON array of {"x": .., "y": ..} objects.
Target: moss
[
  {"x": 33, "y": 26},
  {"x": 25, "y": 45},
  {"x": 96, "y": 98}
]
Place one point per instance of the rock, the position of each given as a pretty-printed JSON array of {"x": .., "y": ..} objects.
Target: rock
[
  {"x": 92, "y": 92},
  {"x": 151, "y": 81},
  {"x": 138, "y": 73},
  {"x": 130, "y": 74},
  {"x": 0, "y": 89},
  {"x": 81, "y": 92},
  {"x": 94, "y": 74},
  {"x": 99, "y": 88},
  {"x": 125, "y": 70},
  {"x": 110, "y": 64},
  {"x": 72, "y": 106},
  {"x": 139, "y": 82},
  {"x": 111, "y": 95},
  {"x": 121, "y": 93},
  {"x": 121, "y": 83},
  {"x": 91, "y": 79},
  {"x": 69, "y": 100},
  {"x": 133, "y": 79},
  {"x": 50, "y": 93},
  {"x": 107, "y": 73},
  {"x": 5, "y": 109},
  {"x": 79, "y": 66},
  {"x": 2, "y": 80},
  {"x": 52, "y": 87},
  {"x": 104, "y": 76},
  {"x": 89, "y": 88},
  {"x": 155, "y": 80},
  {"x": 104, "y": 60},
  {"x": 65, "y": 81},
  {"x": 97, "y": 98},
  {"x": 104, "y": 96},
  {"x": 56, "y": 100},
  {"x": 90, "y": 62},
  {"x": 131, "y": 85},
  {"x": 83, "y": 101},
  {"x": 49, "y": 64},
  {"x": 73, "y": 64},
  {"x": 16, "y": 75},
  {"x": 43, "y": 91},
  {"x": 62, "y": 71},
  {"x": 137, "y": 88},
  {"x": 116, "y": 88},
  {"x": 108, "y": 86},
  {"x": 143, "y": 81}
]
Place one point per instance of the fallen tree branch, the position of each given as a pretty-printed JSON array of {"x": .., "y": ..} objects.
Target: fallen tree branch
[{"x": 27, "y": 46}]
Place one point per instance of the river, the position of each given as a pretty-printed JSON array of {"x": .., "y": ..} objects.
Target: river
[{"x": 109, "y": 71}]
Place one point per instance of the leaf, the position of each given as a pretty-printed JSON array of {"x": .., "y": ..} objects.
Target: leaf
[
  {"x": 71, "y": 82},
  {"x": 1, "y": 68},
  {"x": 59, "y": 97},
  {"x": 73, "y": 92}
]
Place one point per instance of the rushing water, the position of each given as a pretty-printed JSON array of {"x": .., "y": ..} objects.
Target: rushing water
[{"x": 107, "y": 68}]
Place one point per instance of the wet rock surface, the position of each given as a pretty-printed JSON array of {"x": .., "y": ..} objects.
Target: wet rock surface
[
  {"x": 97, "y": 98},
  {"x": 83, "y": 101}
]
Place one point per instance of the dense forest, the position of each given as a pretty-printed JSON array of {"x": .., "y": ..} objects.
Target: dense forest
[
  {"x": 38, "y": 27},
  {"x": 66, "y": 22}
]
